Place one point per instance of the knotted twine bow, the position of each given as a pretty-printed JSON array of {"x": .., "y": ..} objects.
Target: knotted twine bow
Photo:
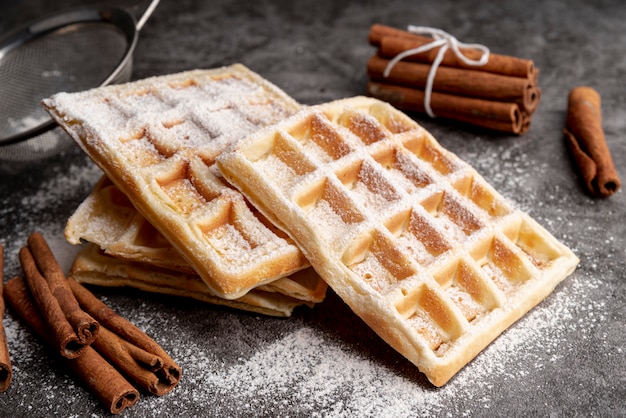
[{"x": 445, "y": 41}]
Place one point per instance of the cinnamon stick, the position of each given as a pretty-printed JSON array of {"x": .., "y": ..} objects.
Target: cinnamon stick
[
  {"x": 500, "y": 116},
  {"x": 84, "y": 325},
  {"x": 102, "y": 379},
  {"x": 464, "y": 82},
  {"x": 379, "y": 31},
  {"x": 587, "y": 142},
  {"x": 133, "y": 351},
  {"x": 5, "y": 359},
  {"x": 526, "y": 119},
  {"x": 141, "y": 367},
  {"x": 392, "y": 41},
  {"x": 64, "y": 338}
]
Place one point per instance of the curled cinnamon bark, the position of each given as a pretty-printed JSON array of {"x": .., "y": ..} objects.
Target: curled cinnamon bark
[
  {"x": 585, "y": 137},
  {"x": 83, "y": 324},
  {"x": 129, "y": 348},
  {"x": 500, "y": 116},
  {"x": 463, "y": 82},
  {"x": 5, "y": 359},
  {"x": 141, "y": 367},
  {"x": 500, "y": 94},
  {"x": 392, "y": 41},
  {"x": 102, "y": 379},
  {"x": 63, "y": 336}
]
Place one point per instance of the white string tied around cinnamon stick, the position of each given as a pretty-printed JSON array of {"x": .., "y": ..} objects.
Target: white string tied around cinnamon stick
[{"x": 444, "y": 41}]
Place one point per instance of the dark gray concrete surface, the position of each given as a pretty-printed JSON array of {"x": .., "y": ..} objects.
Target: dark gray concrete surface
[{"x": 565, "y": 358}]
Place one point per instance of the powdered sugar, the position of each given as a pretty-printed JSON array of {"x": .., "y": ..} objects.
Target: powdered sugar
[
  {"x": 142, "y": 145},
  {"x": 237, "y": 364},
  {"x": 313, "y": 372},
  {"x": 43, "y": 211}
]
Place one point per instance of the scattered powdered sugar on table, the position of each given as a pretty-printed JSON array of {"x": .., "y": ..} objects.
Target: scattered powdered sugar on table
[
  {"x": 44, "y": 212},
  {"x": 313, "y": 373},
  {"x": 509, "y": 170},
  {"x": 309, "y": 370}
]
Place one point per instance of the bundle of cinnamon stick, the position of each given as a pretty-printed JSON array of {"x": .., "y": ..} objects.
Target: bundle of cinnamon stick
[
  {"x": 5, "y": 359},
  {"x": 102, "y": 348},
  {"x": 501, "y": 95}
]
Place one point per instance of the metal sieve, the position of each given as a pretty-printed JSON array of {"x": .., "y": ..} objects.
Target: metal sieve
[{"x": 68, "y": 51}]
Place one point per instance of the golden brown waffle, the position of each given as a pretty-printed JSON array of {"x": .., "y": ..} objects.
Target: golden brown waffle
[
  {"x": 108, "y": 219},
  {"x": 411, "y": 237},
  {"x": 157, "y": 140},
  {"x": 92, "y": 266}
]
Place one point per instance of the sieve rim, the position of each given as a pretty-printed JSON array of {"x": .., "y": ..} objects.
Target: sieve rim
[{"x": 115, "y": 16}]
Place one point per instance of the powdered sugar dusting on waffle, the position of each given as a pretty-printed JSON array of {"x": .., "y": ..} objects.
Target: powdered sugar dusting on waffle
[
  {"x": 157, "y": 140},
  {"x": 107, "y": 219},
  {"x": 487, "y": 262}
]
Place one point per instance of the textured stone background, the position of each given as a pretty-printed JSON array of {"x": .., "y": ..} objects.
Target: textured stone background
[{"x": 565, "y": 358}]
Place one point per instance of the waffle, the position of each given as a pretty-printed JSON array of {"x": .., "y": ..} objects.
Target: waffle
[
  {"x": 92, "y": 266},
  {"x": 412, "y": 238},
  {"x": 107, "y": 219},
  {"x": 157, "y": 140}
]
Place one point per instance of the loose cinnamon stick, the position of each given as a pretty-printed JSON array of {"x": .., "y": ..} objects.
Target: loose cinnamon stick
[
  {"x": 164, "y": 374},
  {"x": 5, "y": 359},
  {"x": 392, "y": 41},
  {"x": 500, "y": 116},
  {"x": 64, "y": 338},
  {"x": 84, "y": 325},
  {"x": 141, "y": 367},
  {"x": 587, "y": 142},
  {"x": 106, "y": 383},
  {"x": 464, "y": 82}
]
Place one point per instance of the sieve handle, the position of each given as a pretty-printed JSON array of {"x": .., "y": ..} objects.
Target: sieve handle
[{"x": 146, "y": 14}]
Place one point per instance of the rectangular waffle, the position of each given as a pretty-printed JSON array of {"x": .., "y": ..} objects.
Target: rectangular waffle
[
  {"x": 92, "y": 266},
  {"x": 157, "y": 140},
  {"x": 412, "y": 238},
  {"x": 107, "y": 219}
]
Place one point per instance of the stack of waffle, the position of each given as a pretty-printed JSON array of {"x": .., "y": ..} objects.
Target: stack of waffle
[
  {"x": 412, "y": 238},
  {"x": 163, "y": 211}
]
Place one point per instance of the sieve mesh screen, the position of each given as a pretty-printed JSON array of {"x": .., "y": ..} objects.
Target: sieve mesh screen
[{"x": 73, "y": 58}]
